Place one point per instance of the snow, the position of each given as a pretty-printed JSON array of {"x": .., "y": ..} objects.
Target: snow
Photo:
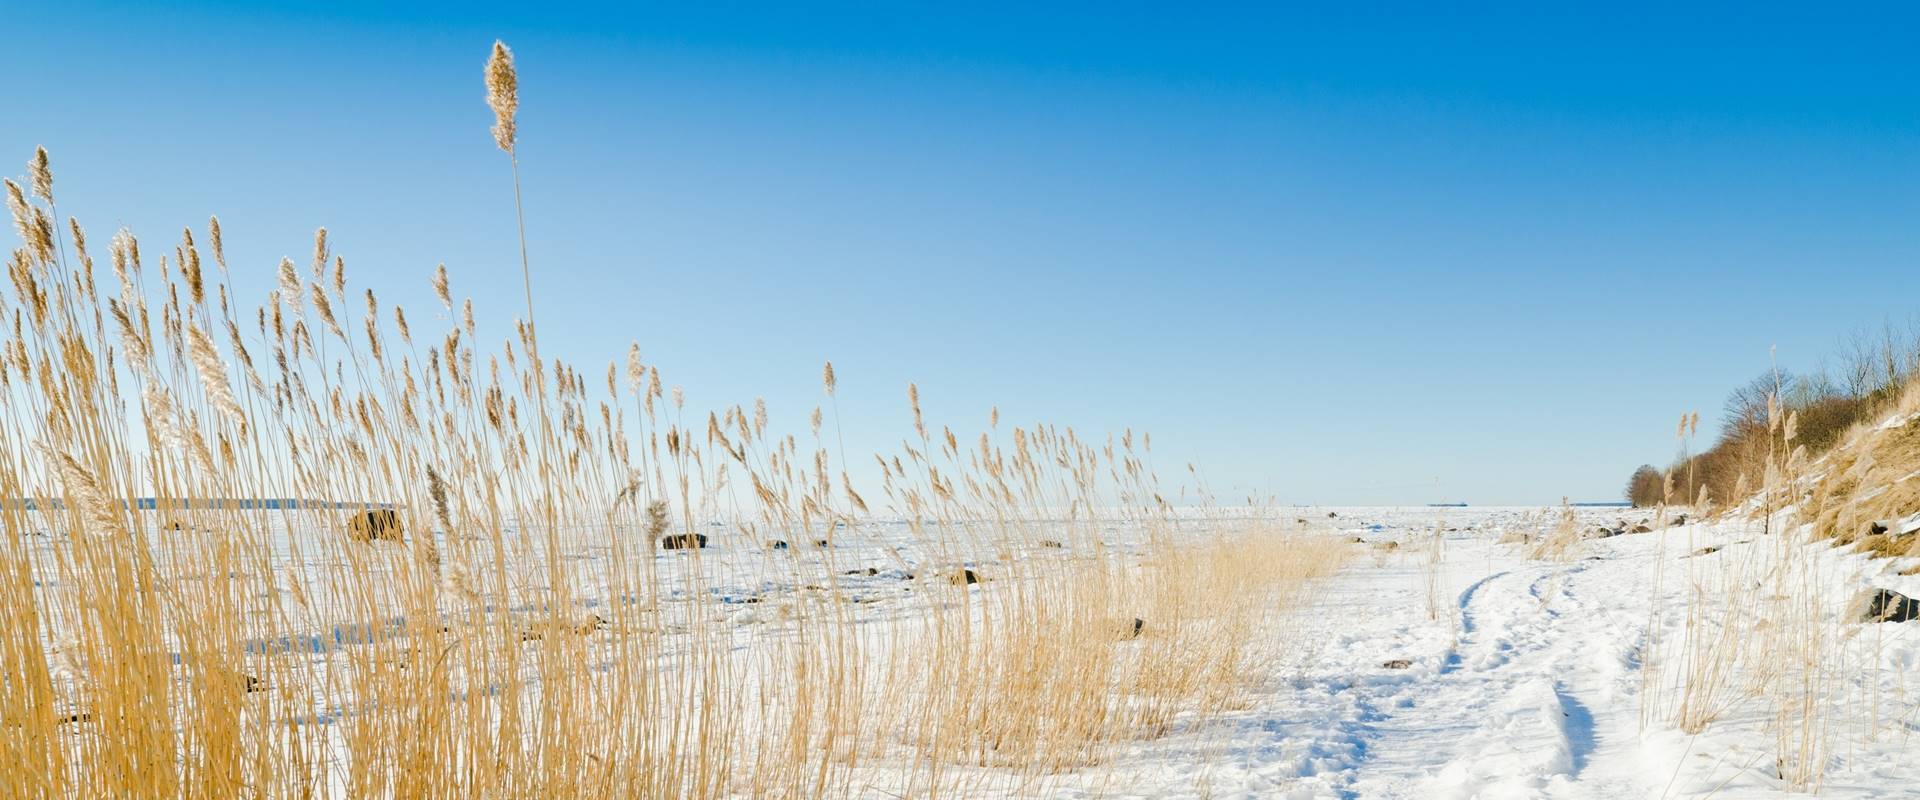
[
  {"x": 1529, "y": 684},
  {"x": 1521, "y": 678}
]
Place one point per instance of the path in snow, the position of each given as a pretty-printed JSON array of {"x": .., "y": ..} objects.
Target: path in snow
[{"x": 1527, "y": 685}]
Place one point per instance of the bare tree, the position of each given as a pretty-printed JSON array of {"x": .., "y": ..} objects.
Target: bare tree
[
  {"x": 1857, "y": 365},
  {"x": 1646, "y": 487},
  {"x": 1746, "y": 408}
]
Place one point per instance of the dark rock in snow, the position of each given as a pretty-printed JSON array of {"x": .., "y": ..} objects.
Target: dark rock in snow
[
  {"x": 1884, "y": 605},
  {"x": 1398, "y": 663},
  {"x": 964, "y": 577},
  {"x": 777, "y": 545},
  {"x": 1894, "y": 528},
  {"x": 380, "y": 524},
  {"x": 822, "y": 543},
  {"x": 1331, "y": 515},
  {"x": 683, "y": 541},
  {"x": 1051, "y": 543},
  {"x": 538, "y": 631}
]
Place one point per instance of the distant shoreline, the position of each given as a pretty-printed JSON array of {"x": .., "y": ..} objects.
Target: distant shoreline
[{"x": 222, "y": 503}]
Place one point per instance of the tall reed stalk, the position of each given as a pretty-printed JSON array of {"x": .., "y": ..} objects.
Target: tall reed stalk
[{"x": 1001, "y": 610}]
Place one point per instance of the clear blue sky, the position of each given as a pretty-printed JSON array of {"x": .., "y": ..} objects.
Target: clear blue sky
[{"x": 1374, "y": 255}]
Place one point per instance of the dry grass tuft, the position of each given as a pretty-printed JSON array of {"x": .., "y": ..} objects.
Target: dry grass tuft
[{"x": 167, "y": 633}]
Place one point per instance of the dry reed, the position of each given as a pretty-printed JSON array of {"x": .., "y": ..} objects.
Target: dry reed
[{"x": 171, "y": 633}]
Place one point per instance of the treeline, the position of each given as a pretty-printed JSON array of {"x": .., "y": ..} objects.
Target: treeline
[{"x": 1862, "y": 381}]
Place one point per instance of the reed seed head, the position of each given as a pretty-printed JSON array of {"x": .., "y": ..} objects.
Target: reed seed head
[
  {"x": 319, "y": 253},
  {"x": 289, "y": 283},
  {"x": 41, "y": 174},
  {"x": 503, "y": 95},
  {"x": 213, "y": 239}
]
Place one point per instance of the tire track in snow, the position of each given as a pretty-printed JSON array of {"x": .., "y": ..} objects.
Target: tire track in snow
[
  {"x": 1529, "y": 684},
  {"x": 1495, "y": 719}
]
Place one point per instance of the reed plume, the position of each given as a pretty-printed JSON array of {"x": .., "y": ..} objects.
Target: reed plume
[
  {"x": 503, "y": 95},
  {"x": 41, "y": 175}
]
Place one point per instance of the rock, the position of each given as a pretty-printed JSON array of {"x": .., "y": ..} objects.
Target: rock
[
  {"x": 1331, "y": 515},
  {"x": 965, "y": 577},
  {"x": 683, "y": 541},
  {"x": 822, "y": 543},
  {"x": 379, "y": 524},
  {"x": 1132, "y": 631},
  {"x": 1300, "y": 520},
  {"x": 1398, "y": 663},
  {"x": 1895, "y": 528},
  {"x": 776, "y": 545},
  {"x": 1051, "y": 543},
  {"x": 538, "y": 631},
  {"x": 1356, "y": 540},
  {"x": 1884, "y": 605},
  {"x": 237, "y": 679}
]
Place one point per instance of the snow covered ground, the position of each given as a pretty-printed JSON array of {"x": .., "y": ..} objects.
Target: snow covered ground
[
  {"x": 1528, "y": 682},
  {"x": 1482, "y": 674}
]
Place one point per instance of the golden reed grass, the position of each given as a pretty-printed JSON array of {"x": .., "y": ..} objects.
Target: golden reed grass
[
  {"x": 1763, "y": 624},
  {"x": 1003, "y": 610}
]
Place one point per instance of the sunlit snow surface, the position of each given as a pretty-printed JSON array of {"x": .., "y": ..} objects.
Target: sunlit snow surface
[
  {"x": 1524, "y": 677},
  {"x": 1529, "y": 684}
]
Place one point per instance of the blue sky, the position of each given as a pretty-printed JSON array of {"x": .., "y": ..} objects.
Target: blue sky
[{"x": 1373, "y": 255}]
